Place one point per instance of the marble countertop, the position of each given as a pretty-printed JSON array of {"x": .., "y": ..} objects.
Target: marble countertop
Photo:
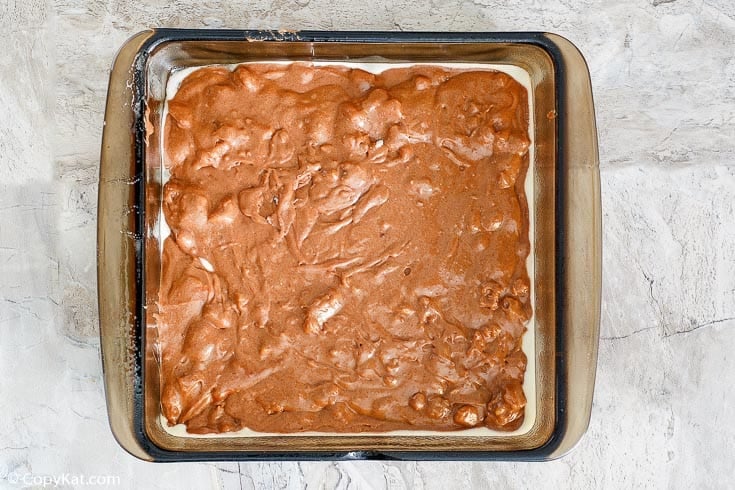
[{"x": 663, "y": 74}]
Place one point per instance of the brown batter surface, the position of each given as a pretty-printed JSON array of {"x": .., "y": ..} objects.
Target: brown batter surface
[{"x": 348, "y": 250}]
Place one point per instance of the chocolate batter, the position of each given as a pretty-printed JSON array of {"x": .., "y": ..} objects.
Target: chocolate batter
[{"x": 348, "y": 250}]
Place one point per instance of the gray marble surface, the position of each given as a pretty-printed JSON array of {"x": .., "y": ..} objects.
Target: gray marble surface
[{"x": 663, "y": 73}]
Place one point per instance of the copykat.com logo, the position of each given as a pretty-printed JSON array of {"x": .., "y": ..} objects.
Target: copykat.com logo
[{"x": 61, "y": 480}]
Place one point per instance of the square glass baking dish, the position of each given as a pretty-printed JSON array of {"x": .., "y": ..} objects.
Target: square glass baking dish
[{"x": 566, "y": 237}]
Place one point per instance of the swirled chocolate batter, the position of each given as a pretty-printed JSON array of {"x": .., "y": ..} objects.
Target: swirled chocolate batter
[{"x": 347, "y": 251}]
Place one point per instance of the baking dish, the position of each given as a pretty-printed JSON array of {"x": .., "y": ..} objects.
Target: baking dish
[{"x": 566, "y": 238}]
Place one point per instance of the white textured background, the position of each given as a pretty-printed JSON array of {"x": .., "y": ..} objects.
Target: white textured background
[{"x": 663, "y": 73}]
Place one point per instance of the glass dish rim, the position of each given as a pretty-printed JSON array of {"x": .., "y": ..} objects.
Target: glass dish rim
[{"x": 159, "y": 36}]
